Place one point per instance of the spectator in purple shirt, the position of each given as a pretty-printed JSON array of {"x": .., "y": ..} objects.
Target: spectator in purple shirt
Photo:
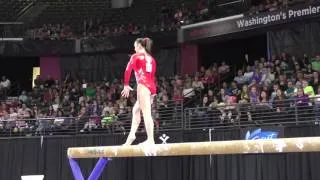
[
  {"x": 254, "y": 95},
  {"x": 301, "y": 99},
  {"x": 303, "y": 109},
  {"x": 257, "y": 75}
]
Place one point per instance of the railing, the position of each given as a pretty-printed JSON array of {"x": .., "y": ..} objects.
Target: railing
[
  {"x": 166, "y": 117},
  {"x": 292, "y": 111},
  {"x": 172, "y": 116}
]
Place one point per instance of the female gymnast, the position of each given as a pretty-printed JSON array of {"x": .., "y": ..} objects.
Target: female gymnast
[{"x": 144, "y": 67}]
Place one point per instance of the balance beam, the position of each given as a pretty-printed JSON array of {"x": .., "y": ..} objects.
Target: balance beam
[{"x": 283, "y": 145}]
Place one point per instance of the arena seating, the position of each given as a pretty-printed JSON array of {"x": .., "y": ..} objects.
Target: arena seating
[
  {"x": 75, "y": 12},
  {"x": 183, "y": 101},
  {"x": 284, "y": 91},
  {"x": 72, "y": 11},
  {"x": 11, "y": 8}
]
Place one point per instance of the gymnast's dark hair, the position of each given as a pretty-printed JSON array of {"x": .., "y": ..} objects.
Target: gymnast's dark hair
[{"x": 146, "y": 43}]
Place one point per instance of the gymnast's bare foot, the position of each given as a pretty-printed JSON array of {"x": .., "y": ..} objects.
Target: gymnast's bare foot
[
  {"x": 148, "y": 142},
  {"x": 130, "y": 140}
]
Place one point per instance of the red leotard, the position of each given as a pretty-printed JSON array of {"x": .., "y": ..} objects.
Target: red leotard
[{"x": 144, "y": 67}]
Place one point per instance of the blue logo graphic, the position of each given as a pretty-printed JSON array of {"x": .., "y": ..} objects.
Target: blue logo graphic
[{"x": 259, "y": 134}]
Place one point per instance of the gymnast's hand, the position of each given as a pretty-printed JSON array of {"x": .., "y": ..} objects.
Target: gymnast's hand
[{"x": 126, "y": 91}]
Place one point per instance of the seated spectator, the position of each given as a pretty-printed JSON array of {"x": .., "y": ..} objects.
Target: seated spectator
[
  {"x": 95, "y": 107},
  {"x": 38, "y": 81},
  {"x": 222, "y": 102},
  {"x": 308, "y": 90},
  {"x": 210, "y": 95},
  {"x": 21, "y": 122},
  {"x": 177, "y": 96},
  {"x": 49, "y": 82},
  {"x": 316, "y": 63},
  {"x": 163, "y": 92},
  {"x": 109, "y": 121},
  {"x": 23, "y": 97},
  {"x": 317, "y": 106},
  {"x": 89, "y": 91},
  {"x": 4, "y": 86},
  {"x": 315, "y": 80},
  {"x": 5, "y": 83},
  {"x": 197, "y": 85},
  {"x": 240, "y": 79},
  {"x": 268, "y": 77},
  {"x": 301, "y": 99},
  {"x": 254, "y": 96},
  {"x": 274, "y": 92},
  {"x": 49, "y": 96},
  {"x": 231, "y": 106},
  {"x": 256, "y": 76},
  {"x": 302, "y": 103},
  {"x": 248, "y": 74},
  {"x": 209, "y": 77},
  {"x": 290, "y": 91},
  {"x": 279, "y": 101},
  {"x": 165, "y": 110},
  {"x": 244, "y": 96},
  {"x": 205, "y": 102},
  {"x": 300, "y": 78},
  {"x": 255, "y": 84},
  {"x": 106, "y": 108},
  {"x": 59, "y": 119},
  {"x": 264, "y": 99},
  {"x": 92, "y": 123},
  {"x": 188, "y": 91},
  {"x": 3, "y": 109},
  {"x": 11, "y": 120},
  {"x": 50, "y": 112},
  {"x": 234, "y": 90},
  {"x": 3, "y": 119},
  {"x": 178, "y": 16},
  {"x": 44, "y": 123},
  {"x": 56, "y": 104},
  {"x": 136, "y": 30},
  {"x": 282, "y": 82},
  {"x": 224, "y": 68}
]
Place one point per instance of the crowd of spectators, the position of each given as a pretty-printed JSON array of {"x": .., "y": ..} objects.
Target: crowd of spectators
[
  {"x": 282, "y": 85},
  {"x": 76, "y": 105},
  {"x": 51, "y": 31},
  {"x": 273, "y": 5},
  {"x": 168, "y": 19},
  {"x": 282, "y": 88}
]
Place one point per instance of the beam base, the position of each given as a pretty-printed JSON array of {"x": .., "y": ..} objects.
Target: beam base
[{"x": 96, "y": 172}]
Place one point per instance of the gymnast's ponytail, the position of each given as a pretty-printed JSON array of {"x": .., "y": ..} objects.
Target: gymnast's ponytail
[{"x": 146, "y": 43}]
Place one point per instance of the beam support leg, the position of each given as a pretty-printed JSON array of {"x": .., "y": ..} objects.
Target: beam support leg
[
  {"x": 76, "y": 171},
  {"x": 96, "y": 172}
]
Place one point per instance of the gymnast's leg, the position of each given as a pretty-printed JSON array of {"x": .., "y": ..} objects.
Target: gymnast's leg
[
  {"x": 136, "y": 119},
  {"x": 145, "y": 101}
]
